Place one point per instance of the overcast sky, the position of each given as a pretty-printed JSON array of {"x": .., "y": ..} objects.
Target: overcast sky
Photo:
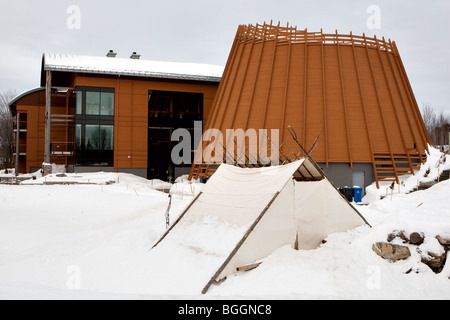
[{"x": 202, "y": 31}]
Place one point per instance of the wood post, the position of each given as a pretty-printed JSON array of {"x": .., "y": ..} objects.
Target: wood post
[
  {"x": 48, "y": 101},
  {"x": 17, "y": 144}
]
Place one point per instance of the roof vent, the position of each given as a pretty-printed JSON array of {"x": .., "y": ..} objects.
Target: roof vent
[
  {"x": 135, "y": 56},
  {"x": 111, "y": 54}
]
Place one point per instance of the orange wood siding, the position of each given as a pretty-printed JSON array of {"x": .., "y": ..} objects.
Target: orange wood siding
[
  {"x": 131, "y": 116},
  {"x": 351, "y": 90},
  {"x": 34, "y": 106},
  {"x": 131, "y": 112}
]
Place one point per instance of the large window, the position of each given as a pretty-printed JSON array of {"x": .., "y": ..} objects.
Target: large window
[
  {"x": 94, "y": 127},
  {"x": 168, "y": 111}
]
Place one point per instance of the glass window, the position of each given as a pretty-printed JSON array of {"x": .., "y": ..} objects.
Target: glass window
[
  {"x": 99, "y": 137},
  {"x": 92, "y": 102},
  {"x": 78, "y": 137},
  {"x": 92, "y": 137},
  {"x": 106, "y": 138},
  {"x": 94, "y": 130},
  {"x": 107, "y": 104},
  {"x": 79, "y": 102}
]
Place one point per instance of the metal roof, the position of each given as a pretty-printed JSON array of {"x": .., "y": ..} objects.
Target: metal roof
[
  {"x": 131, "y": 67},
  {"x": 23, "y": 94}
]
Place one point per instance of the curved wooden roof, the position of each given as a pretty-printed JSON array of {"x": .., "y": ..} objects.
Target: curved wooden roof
[{"x": 352, "y": 91}]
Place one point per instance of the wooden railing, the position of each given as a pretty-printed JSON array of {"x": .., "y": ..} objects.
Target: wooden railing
[
  {"x": 62, "y": 149},
  {"x": 267, "y": 32}
]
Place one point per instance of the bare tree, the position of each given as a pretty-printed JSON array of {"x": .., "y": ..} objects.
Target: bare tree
[
  {"x": 6, "y": 130},
  {"x": 437, "y": 125},
  {"x": 442, "y": 126},
  {"x": 428, "y": 118}
]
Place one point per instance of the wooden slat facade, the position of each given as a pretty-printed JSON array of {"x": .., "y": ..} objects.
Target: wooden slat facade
[
  {"x": 130, "y": 118},
  {"x": 350, "y": 90}
]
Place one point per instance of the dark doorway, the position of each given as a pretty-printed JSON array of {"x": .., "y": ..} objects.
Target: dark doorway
[{"x": 168, "y": 111}]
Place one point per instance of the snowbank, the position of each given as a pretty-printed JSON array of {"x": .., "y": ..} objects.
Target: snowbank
[
  {"x": 436, "y": 163},
  {"x": 92, "y": 241},
  {"x": 183, "y": 187}
]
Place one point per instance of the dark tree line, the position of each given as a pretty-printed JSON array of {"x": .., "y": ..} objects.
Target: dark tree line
[
  {"x": 6, "y": 130},
  {"x": 437, "y": 124}
]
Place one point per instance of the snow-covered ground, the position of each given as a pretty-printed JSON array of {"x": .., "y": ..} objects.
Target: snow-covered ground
[{"x": 93, "y": 241}]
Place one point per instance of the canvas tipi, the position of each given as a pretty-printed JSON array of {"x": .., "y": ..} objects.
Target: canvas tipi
[{"x": 243, "y": 214}]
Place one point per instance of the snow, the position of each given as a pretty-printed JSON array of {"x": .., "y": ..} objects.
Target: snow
[
  {"x": 92, "y": 239},
  {"x": 133, "y": 67},
  {"x": 436, "y": 163}
]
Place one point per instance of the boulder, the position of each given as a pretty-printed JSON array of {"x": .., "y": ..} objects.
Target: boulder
[
  {"x": 435, "y": 261},
  {"x": 416, "y": 238},
  {"x": 395, "y": 234},
  {"x": 445, "y": 241},
  {"x": 391, "y": 252}
]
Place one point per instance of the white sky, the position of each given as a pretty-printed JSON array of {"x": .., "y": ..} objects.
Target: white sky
[{"x": 202, "y": 31}]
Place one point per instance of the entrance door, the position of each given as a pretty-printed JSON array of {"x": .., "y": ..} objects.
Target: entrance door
[
  {"x": 159, "y": 149},
  {"x": 168, "y": 111},
  {"x": 358, "y": 179}
]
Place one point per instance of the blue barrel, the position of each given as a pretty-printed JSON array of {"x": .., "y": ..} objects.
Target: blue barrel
[{"x": 357, "y": 194}]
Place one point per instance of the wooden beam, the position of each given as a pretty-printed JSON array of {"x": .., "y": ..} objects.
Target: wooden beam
[
  {"x": 233, "y": 84},
  {"x": 404, "y": 104},
  {"x": 275, "y": 45},
  {"x": 248, "y": 267},
  {"x": 17, "y": 144},
  {"x": 286, "y": 84},
  {"x": 391, "y": 97},
  {"x": 236, "y": 109},
  {"x": 48, "y": 109},
  {"x": 178, "y": 220},
  {"x": 239, "y": 245},
  {"x": 305, "y": 87},
  {"x": 257, "y": 73},
  {"x": 412, "y": 100},
  {"x": 344, "y": 102},
  {"x": 380, "y": 108},
  {"x": 324, "y": 97},
  {"x": 364, "y": 111}
]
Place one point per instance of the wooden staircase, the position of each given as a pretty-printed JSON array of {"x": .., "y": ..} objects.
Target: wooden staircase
[
  {"x": 202, "y": 170},
  {"x": 387, "y": 166}
]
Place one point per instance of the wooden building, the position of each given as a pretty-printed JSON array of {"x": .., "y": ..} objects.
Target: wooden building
[
  {"x": 111, "y": 114},
  {"x": 350, "y": 91}
]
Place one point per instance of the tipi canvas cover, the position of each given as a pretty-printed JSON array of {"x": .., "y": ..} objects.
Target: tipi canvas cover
[{"x": 243, "y": 214}]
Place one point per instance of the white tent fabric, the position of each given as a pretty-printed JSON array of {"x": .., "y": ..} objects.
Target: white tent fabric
[
  {"x": 232, "y": 180},
  {"x": 243, "y": 215},
  {"x": 319, "y": 211}
]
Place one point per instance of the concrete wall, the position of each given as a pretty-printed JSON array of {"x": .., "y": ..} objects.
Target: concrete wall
[{"x": 342, "y": 174}]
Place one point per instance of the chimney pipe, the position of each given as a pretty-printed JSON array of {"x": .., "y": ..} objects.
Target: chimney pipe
[
  {"x": 135, "y": 56},
  {"x": 111, "y": 54}
]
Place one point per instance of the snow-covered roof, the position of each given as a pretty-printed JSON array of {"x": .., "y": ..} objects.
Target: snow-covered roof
[
  {"x": 131, "y": 67},
  {"x": 23, "y": 94}
]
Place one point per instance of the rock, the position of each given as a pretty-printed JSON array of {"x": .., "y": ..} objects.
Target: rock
[
  {"x": 443, "y": 241},
  {"x": 391, "y": 236},
  {"x": 435, "y": 261},
  {"x": 400, "y": 234},
  {"x": 392, "y": 252},
  {"x": 416, "y": 238}
]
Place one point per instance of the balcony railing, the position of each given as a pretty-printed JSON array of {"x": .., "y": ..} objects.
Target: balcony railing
[{"x": 62, "y": 149}]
